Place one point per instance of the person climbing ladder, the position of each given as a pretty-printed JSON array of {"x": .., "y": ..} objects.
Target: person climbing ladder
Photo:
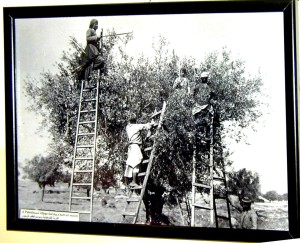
[{"x": 135, "y": 156}]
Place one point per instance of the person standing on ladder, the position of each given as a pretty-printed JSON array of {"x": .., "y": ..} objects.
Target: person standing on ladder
[
  {"x": 135, "y": 156},
  {"x": 182, "y": 82},
  {"x": 202, "y": 94},
  {"x": 203, "y": 113},
  {"x": 92, "y": 58},
  {"x": 202, "y": 109}
]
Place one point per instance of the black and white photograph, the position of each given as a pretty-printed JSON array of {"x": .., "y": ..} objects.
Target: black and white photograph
[{"x": 172, "y": 120}]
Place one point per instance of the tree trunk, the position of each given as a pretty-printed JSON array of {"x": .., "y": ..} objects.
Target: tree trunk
[{"x": 43, "y": 192}]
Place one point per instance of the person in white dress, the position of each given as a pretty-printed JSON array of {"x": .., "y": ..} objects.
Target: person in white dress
[{"x": 135, "y": 156}]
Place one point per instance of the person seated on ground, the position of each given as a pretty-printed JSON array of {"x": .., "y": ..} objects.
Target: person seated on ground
[
  {"x": 249, "y": 216},
  {"x": 92, "y": 59},
  {"x": 135, "y": 156}
]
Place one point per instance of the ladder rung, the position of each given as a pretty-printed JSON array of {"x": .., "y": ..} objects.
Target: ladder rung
[
  {"x": 148, "y": 149},
  {"x": 83, "y": 171},
  {"x": 94, "y": 86},
  {"x": 142, "y": 174},
  {"x": 128, "y": 214},
  {"x": 86, "y": 111},
  {"x": 89, "y": 198},
  {"x": 156, "y": 114},
  {"x": 89, "y": 100},
  {"x": 133, "y": 199},
  {"x": 82, "y": 184},
  {"x": 222, "y": 217},
  {"x": 201, "y": 206},
  {"x": 136, "y": 188},
  {"x": 83, "y": 212},
  {"x": 86, "y": 134},
  {"x": 145, "y": 161},
  {"x": 86, "y": 90},
  {"x": 219, "y": 178},
  {"x": 89, "y": 89},
  {"x": 81, "y": 158},
  {"x": 201, "y": 185},
  {"x": 86, "y": 122},
  {"x": 85, "y": 146}
]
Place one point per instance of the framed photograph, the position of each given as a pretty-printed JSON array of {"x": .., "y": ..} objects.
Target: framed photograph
[{"x": 170, "y": 120}]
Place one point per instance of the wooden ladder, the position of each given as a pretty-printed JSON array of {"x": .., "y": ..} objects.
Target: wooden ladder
[
  {"x": 222, "y": 196},
  {"x": 134, "y": 201},
  {"x": 213, "y": 196},
  {"x": 83, "y": 165}
]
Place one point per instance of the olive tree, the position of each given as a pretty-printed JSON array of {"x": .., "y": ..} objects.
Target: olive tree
[
  {"x": 43, "y": 170},
  {"x": 139, "y": 85}
]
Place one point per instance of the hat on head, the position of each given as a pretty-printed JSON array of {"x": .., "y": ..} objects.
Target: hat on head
[
  {"x": 204, "y": 74},
  {"x": 246, "y": 200}
]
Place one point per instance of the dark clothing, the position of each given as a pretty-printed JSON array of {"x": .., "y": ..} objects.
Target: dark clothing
[
  {"x": 92, "y": 60},
  {"x": 202, "y": 94},
  {"x": 92, "y": 44},
  {"x": 153, "y": 201}
]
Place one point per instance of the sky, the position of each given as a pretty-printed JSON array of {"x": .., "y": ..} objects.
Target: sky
[{"x": 257, "y": 38}]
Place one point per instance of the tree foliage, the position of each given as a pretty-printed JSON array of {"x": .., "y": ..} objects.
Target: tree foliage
[
  {"x": 43, "y": 170},
  {"x": 244, "y": 183},
  {"x": 274, "y": 196}
]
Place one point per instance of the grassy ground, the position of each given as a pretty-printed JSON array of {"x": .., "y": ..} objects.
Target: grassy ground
[{"x": 108, "y": 208}]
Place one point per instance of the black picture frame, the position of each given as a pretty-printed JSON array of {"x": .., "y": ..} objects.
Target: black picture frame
[{"x": 287, "y": 7}]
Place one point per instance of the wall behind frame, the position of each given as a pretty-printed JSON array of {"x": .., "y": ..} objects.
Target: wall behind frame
[{"x": 32, "y": 237}]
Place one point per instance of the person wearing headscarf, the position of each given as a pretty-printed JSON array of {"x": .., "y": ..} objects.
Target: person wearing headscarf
[
  {"x": 182, "y": 82},
  {"x": 92, "y": 57}
]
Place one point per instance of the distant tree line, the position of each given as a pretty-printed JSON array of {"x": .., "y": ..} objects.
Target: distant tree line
[{"x": 275, "y": 196}]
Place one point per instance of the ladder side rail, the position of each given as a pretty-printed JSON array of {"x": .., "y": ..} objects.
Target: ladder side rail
[
  {"x": 188, "y": 209},
  {"x": 149, "y": 165},
  {"x": 226, "y": 195},
  {"x": 216, "y": 214},
  {"x": 94, "y": 151},
  {"x": 181, "y": 211},
  {"x": 193, "y": 191},
  {"x": 75, "y": 148},
  {"x": 211, "y": 165}
]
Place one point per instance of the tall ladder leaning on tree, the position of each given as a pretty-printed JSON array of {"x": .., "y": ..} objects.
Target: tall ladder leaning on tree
[
  {"x": 82, "y": 177},
  {"x": 214, "y": 175},
  {"x": 134, "y": 202}
]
